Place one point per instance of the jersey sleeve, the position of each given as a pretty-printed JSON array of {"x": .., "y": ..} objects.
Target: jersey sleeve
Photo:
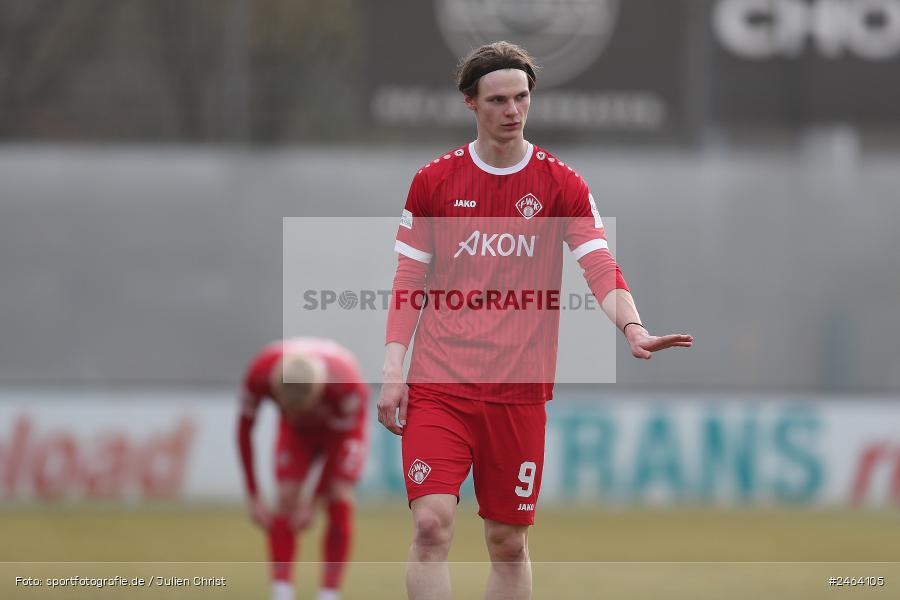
[
  {"x": 403, "y": 316},
  {"x": 414, "y": 236},
  {"x": 584, "y": 227},
  {"x": 255, "y": 386},
  {"x": 586, "y": 238},
  {"x": 252, "y": 394}
]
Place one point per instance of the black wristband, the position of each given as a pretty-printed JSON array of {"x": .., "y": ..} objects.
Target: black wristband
[{"x": 632, "y": 323}]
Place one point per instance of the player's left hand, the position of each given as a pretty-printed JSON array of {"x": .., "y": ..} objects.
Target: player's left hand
[{"x": 643, "y": 345}]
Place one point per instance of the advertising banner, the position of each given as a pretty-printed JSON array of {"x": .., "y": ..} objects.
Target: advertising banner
[
  {"x": 802, "y": 62},
  {"x": 644, "y": 68},
  {"x": 599, "y": 72},
  {"x": 607, "y": 449}
]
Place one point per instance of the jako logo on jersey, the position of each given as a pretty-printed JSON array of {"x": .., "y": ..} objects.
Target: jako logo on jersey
[
  {"x": 493, "y": 244},
  {"x": 465, "y": 203},
  {"x": 526, "y": 507},
  {"x": 528, "y": 206},
  {"x": 418, "y": 471}
]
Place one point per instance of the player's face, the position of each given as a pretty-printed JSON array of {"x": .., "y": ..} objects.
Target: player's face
[{"x": 501, "y": 106}]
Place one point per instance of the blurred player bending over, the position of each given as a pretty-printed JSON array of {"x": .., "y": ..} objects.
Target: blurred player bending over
[
  {"x": 467, "y": 403},
  {"x": 319, "y": 391}
]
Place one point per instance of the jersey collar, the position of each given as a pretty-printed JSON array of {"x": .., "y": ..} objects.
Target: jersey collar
[{"x": 497, "y": 170}]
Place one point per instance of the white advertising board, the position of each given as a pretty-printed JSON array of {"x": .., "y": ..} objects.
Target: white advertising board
[{"x": 612, "y": 449}]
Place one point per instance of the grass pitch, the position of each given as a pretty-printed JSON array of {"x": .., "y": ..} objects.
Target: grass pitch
[{"x": 577, "y": 553}]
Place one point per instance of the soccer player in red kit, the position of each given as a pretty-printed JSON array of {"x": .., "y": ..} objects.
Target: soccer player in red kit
[
  {"x": 320, "y": 394},
  {"x": 481, "y": 222}
]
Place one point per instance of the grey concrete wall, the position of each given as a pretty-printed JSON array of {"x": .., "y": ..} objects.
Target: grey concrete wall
[{"x": 163, "y": 265}]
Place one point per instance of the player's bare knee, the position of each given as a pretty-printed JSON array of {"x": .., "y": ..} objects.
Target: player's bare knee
[
  {"x": 340, "y": 492},
  {"x": 283, "y": 508},
  {"x": 286, "y": 502},
  {"x": 432, "y": 531},
  {"x": 507, "y": 545}
]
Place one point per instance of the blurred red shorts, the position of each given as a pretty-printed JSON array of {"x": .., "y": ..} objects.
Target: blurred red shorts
[{"x": 296, "y": 450}]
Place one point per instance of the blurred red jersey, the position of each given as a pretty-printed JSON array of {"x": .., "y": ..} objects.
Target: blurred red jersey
[
  {"x": 344, "y": 397},
  {"x": 337, "y": 424},
  {"x": 493, "y": 239}
]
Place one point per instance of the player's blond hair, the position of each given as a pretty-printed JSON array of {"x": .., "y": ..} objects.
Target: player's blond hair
[
  {"x": 493, "y": 57},
  {"x": 297, "y": 382}
]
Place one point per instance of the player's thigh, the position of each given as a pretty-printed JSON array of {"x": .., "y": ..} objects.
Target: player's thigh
[
  {"x": 436, "y": 447},
  {"x": 287, "y": 495},
  {"x": 509, "y": 462},
  {"x": 345, "y": 458},
  {"x": 294, "y": 455}
]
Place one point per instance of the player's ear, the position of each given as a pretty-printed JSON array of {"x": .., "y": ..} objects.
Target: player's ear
[{"x": 470, "y": 102}]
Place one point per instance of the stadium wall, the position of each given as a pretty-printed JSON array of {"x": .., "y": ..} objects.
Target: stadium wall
[
  {"x": 607, "y": 448},
  {"x": 162, "y": 266}
]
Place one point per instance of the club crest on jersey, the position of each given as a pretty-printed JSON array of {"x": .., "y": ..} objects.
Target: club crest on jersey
[
  {"x": 418, "y": 471},
  {"x": 528, "y": 206},
  {"x": 465, "y": 203}
]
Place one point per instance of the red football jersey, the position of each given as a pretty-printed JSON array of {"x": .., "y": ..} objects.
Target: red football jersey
[
  {"x": 493, "y": 240},
  {"x": 345, "y": 396}
]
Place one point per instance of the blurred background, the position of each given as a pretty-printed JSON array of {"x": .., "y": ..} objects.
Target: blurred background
[{"x": 749, "y": 151}]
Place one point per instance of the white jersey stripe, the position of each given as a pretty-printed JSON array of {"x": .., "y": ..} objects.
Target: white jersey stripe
[
  {"x": 413, "y": 253},
  {"x": 587, "y": 247}
]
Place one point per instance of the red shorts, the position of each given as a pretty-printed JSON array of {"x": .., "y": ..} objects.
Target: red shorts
[
  {"x": 502, "y": 443},
  {"x": 297, "y": 449}
]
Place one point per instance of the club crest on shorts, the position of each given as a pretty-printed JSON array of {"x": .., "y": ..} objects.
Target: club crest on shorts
[
  {"x": 528, "y": 206},
  {"x": 418, "y": 471}
]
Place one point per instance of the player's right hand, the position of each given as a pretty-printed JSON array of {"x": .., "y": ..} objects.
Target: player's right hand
[
  {"x": 259, "y": 513},
  {"x": 392, "y": 403}
]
